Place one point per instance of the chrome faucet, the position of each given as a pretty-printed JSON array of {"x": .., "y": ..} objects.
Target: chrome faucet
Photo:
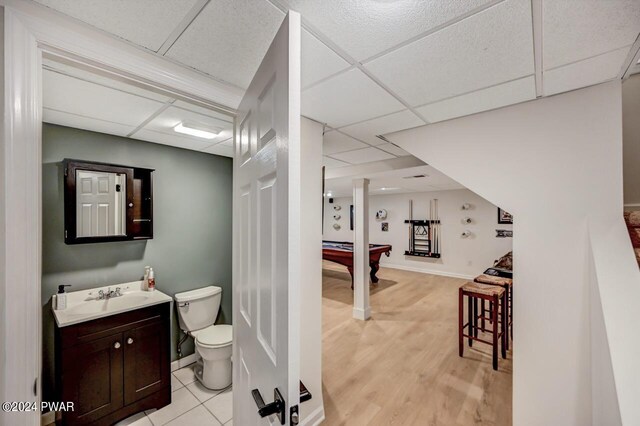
[{"x": 109, "y": 293}]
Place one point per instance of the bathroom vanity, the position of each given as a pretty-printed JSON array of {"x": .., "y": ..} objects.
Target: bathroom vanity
[{"x": 112, "y": 354}]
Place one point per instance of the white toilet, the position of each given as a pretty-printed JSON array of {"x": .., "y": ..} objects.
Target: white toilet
[{"x": 197, "y": 312}]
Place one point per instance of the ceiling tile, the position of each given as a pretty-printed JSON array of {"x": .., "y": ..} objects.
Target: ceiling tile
[
  {"x": 333, "y": 142},
  {"x": 64, "y": 93},
  {"x": 79, "y": 122},
  {"x": 172, "y": 140},
  {"x": 481, "y": 100},
  {"x": 488, "y": 48},
  {"x": 203, "y": 111},
  {"x": 172, "y": 116},
  {"x": 584, "y": 73},
  {"x": 228, "y": 39},
  {"x": 220, "y": 149},
  {"x": 380, "y": 24},
  {"x": 365, "y": 155},
  {"x": 331, "y": 163},
  {"x": 144, "y": 22},
  {"x": 367, "y": 130},
  {"x": 318, "y": 61},
  {"x": 579, "y": 29},
  {"x": 392, "y": 149},
  {"x": 347, "y": 98}
]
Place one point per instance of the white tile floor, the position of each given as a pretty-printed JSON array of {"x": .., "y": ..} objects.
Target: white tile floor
[{"x": 191, "y": 404}]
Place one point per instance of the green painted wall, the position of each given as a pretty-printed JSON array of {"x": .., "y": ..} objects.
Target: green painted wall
[{"x": 191, "y": 247}]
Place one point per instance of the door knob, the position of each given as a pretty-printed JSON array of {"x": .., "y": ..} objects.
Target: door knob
[
  {"x": 129, "y": 341},
  {"x": 116, "y": 345},
  {"x": 276, "y": 407}
]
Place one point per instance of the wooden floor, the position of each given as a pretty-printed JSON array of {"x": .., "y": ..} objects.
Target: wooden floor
[{"x": 402, "y": 367}]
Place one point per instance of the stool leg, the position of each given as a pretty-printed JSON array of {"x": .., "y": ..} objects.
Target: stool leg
[
  {"x": 494, "y": 320},
  {"x": 505, "y": 326},
  {"x": 475, "y": 317},
  {"x": 490, "y": 309},
  {"x": 511, "y": 310},
  {"x": 460, "y": 321},
  {"x": 483, "y": 311},
  {"x": 505, "y": 316},
  {"x": 470, "y": 317}
]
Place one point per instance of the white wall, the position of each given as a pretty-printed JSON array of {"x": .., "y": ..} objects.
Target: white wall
[
  {"x": 556, "y": 164},
  {"x": 312, "y": 411},
  {"x": 461, "y": 257},
  {"x": 631, "y": 139}
]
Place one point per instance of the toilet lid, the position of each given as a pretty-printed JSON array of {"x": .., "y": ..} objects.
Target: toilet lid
[{"x": 215, "y": 336}]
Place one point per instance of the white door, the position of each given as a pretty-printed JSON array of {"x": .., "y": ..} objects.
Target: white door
[
  {"x": 100, "y": 204},
  {"x": 266, "y": 234}
]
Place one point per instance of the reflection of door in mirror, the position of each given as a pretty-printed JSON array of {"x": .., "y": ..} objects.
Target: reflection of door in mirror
[{"x": 100, "y": 204}]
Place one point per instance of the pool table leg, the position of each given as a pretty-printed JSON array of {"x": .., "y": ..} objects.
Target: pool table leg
[
  {"x": 374, "y": 269},
  {"x": 350, "y": 269}
]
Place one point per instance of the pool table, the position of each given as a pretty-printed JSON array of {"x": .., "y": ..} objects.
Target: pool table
[{"x": 342, "y": 252}]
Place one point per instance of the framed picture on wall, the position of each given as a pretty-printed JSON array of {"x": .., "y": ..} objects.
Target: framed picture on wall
[
  {"x": 351, "y": 217},
  {"x": 504, "y": 217}
]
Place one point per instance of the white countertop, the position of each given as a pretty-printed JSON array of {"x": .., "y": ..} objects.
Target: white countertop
[{"x": 84, "y": 305}]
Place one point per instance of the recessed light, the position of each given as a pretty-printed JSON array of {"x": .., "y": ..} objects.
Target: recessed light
[
  {"x": 191, "y": 131},
  {"x": 388, "y": 189}
]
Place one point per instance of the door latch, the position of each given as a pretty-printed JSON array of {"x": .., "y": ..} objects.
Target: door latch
[{"x": 277, "y": 407}]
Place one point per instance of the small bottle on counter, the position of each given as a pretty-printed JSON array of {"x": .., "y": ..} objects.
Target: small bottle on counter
[
  {"x": 61, "y": 298},
  {"x": 151, "y": 281},
  {"x": 145, "y": 283}
]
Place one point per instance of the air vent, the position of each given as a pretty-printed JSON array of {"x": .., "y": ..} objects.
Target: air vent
[
  {"x": 415, "y": 177},
  {"x": 382, "y": 138}
]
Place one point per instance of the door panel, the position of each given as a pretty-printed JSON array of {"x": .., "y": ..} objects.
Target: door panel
[
  {"x": 94, "y": 376},
  {"x": 267, "y": 231},
  {"x": 146, "y": 356}
]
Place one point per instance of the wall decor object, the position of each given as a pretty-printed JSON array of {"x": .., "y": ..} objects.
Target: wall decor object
[
  {"x": 337, "y": 216},
  {"x": 424, "y": 235},
  {"x": 337, "y": 207},
  {"x": 336, "y": 226},
  {"x": 466, "y": 206},
  {"x": 385, "y": 226},
  {"x": 351, "y": 217},
  {"x": 504, "y": 217},
  {"x": 381, "y": 214},
  {"x": 466, "y": 233},
  {"x": 504, "y": 233},
  {"x": 467, "y": 220}
]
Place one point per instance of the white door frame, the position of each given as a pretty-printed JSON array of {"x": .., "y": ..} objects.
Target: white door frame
[{"x": 30, "y": 30}]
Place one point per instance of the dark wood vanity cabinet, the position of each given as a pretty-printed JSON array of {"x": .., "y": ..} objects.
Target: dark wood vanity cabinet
[{"x": 114, "y": 367}]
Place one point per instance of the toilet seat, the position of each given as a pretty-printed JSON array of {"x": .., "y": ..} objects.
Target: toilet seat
[{"x": 214, "y": 336}]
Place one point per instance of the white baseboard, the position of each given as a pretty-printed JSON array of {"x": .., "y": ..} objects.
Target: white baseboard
[
  {"x": 184, "y": 361},
  {"x": 362, "y": 314},
  {"x": 48, "y": 418},
  {"x": 314, "y": 418},
  {"x": 427, "y": 271}
]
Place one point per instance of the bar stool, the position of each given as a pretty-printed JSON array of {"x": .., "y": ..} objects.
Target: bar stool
[
  {"x": 497, "y": 296},
  {"x": 507, "y": 284}
]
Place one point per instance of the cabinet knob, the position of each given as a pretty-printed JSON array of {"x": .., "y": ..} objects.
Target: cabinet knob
[
  {"x": 129, "y": 341},
  {"x": 130, "y": 204},
  {"x": 116, "y": 345}
]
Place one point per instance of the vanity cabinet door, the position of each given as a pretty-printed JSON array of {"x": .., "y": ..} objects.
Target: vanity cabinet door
[
  {"x": 92, "y": 377},
  {"x": 146, "y": 360}
]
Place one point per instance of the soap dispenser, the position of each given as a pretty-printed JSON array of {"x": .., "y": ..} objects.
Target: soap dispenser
[{"x": 61, "y": 298}]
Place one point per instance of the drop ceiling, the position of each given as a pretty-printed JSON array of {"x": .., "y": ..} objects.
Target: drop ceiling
[
  {"x": 394, "y": 182},
  {"x": 374, "y": 67}
]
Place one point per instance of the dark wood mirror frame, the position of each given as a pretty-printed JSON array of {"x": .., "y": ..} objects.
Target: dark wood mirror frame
[{"x": 139, "y": 201}]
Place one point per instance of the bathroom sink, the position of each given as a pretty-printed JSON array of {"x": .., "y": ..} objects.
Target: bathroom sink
[{"x": 84, "y": 305}]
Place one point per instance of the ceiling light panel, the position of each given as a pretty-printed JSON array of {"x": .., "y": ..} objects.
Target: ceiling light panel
[
  {"x": 579, "y": 29},
  {"x": 584, "y": 73},
  {"x": 334, "y": 142},
  {"x": 72, "y": 95},
  {"x": 167, "y": 120},
  {"x": 317, "y": 60},
  {"x": 175, "y": 139},
  {"x": 380, "y": 24},
  {"x": 367, "y": 130},
  {"x": 482, "y": 100},
  {"x": 488, "y": 48},
  {"x": 365, "y": 155},
  {"x": 144, "y": 22},
  {"x": 347, "y": 98},
  {"x": 228, "y": 39}
]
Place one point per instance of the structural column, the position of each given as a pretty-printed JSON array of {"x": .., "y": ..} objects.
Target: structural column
[{"x": 361, "y": 308}]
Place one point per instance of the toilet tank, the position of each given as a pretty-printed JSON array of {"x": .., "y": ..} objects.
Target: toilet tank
[{"x": 198, "y": 308}]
